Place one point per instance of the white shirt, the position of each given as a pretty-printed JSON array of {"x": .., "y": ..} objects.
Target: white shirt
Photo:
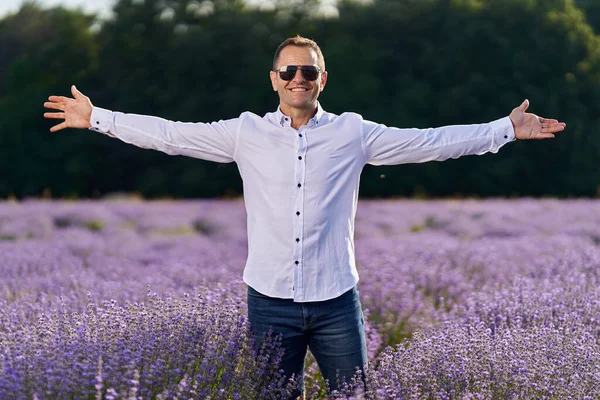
[{"x": 301, "y": 186}]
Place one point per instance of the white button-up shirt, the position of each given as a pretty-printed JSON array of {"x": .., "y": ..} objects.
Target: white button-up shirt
[{"x": 301, "y": 186}]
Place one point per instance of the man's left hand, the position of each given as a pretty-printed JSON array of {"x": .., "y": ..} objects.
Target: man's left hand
[{"x": 530, "y": 126}]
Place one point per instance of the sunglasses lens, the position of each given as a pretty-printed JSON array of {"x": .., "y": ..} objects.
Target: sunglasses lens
[
  {"x": 310, "y": 73},
  {"x": 289, "y": 73}
]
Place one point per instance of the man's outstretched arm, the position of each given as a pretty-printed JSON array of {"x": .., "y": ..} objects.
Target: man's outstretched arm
[
  {"x": 215, "y": 141},
  {"x": 387, "y": 145}
]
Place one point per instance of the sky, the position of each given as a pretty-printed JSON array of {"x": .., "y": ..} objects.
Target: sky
[
  {"x": 104, "y": 7},
  {"x": 101, "y": 6}
]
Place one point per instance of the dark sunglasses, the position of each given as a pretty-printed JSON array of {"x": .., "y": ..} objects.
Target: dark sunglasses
[{"x": 309, "y": 72}]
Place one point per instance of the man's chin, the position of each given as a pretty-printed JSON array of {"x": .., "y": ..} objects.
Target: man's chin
[{"x": 303, "y": 105}]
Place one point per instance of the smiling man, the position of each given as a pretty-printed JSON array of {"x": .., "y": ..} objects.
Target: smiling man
[
  {"x": 301, "y": 167},
  {"x": 298, "y": 92}
]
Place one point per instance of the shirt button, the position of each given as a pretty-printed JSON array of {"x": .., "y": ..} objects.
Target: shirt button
[
  {"x": 297, "y": 240},
  {"x": 299, "y": 157},
  {"x": 97, "y": 122},
  {"x": 505, "y": 136},
  {"x": 296, "y": 262},
  {"x": 300, "y": 134},
  {"x": 297, "y": 212},
  {"x": 299, "y": 185}
]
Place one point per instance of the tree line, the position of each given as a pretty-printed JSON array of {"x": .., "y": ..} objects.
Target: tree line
[{"x": 405, "y": 63}]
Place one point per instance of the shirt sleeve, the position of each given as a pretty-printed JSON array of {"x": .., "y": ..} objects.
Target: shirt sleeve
[
  {"x": 215, "y": 141},
  {"x": 388, "y": 146}
]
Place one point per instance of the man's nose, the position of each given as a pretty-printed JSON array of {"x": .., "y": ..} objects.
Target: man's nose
[{"x": 299, "y": 77}]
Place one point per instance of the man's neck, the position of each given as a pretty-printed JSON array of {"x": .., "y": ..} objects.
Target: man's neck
[{"x": 298, "y": 116}]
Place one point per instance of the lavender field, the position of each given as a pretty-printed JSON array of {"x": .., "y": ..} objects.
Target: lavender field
[{"x": 130, "y": 299}]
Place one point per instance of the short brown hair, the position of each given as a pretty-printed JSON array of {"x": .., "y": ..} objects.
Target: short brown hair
[{"x": 300, "y": 42}]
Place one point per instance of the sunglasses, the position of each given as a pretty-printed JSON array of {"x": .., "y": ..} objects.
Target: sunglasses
[{"x": 309, "y": 72}]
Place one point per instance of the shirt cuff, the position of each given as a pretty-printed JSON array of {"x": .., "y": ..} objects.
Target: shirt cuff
[
  {"x": 102, "y": 121},
  {"x": 503, "y": 131}
]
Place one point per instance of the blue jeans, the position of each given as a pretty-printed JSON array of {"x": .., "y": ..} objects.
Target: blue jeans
[{"x": 332, "y": 329}]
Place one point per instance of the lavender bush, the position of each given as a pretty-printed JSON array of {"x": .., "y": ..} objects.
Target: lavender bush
[
  {"x": 197, "y": 346},
  {"x": 533, "y": 339},
  {"x": 134, "y": 299}
]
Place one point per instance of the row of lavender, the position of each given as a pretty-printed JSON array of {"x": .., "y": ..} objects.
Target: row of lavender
[{"x": 465, "y": 299}]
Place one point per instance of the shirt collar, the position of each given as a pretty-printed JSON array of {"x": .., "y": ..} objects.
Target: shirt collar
[{"x": 285, "y": 120}]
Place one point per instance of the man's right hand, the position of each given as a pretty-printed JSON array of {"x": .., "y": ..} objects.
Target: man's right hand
[{"x": 76, "y": 111}]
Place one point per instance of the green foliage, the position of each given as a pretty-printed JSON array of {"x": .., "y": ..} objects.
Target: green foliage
[
  {"x": 400, "y": 62},
  {"x": 94, "y": 225}
]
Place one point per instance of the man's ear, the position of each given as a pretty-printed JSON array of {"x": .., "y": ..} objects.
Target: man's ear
[
  {"x": 323, "y": 81},
  {"x": 273, "y": 76}
]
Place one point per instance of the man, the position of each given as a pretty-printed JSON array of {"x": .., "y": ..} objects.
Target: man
[{"x": 300, "y": 168}]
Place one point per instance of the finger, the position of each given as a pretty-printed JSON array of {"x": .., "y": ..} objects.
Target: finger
[
  {"x": 76, "y": 93},
  {"x": 58, "y": 127},
  {"x": 549, "y": 131},
  {"x": 54, "y": 115},
  {"x": 524, "y": 105},
  {"x": 54, "y": 106},
  {"x": 58, "y": 99},
  {"x": 560, "y": 125},
  {"x": 547, "y": 120},
  {"x": 545, "y": 136},
  {"x": 553, "y": 129}
]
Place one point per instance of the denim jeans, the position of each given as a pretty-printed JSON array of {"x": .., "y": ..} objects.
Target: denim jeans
[{"x": 332, "y": 329}]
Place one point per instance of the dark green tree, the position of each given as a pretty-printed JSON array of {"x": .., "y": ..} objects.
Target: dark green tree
[
  {"x": 42, "y": 51},
  {"x": 400, "y": 62}
]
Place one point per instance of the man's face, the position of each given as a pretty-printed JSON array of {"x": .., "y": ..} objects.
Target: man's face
[{"x": 298, "y": 93}]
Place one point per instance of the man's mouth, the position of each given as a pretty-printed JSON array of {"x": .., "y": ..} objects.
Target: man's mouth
[{"x": 297, "y": 89}]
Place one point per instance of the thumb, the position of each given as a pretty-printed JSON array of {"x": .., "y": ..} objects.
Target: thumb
[
  {"x": 524, "y": 105},
  {"x": 76, "y": 93}
]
